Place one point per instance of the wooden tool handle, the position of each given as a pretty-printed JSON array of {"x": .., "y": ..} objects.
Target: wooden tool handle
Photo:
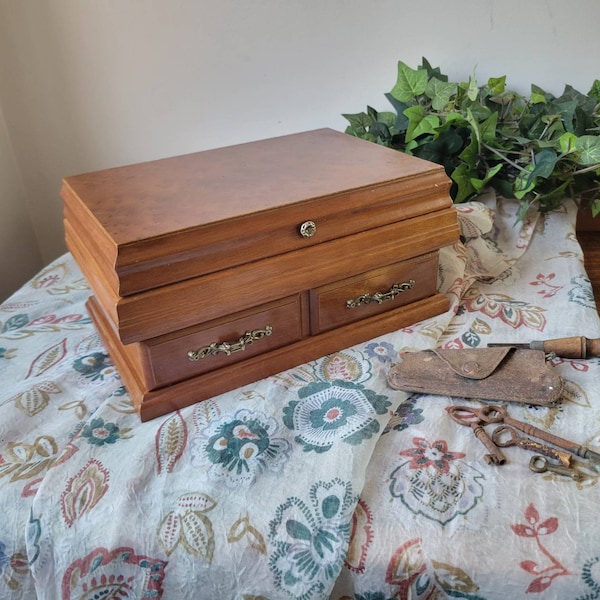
[{"x": 570, "y": 347}]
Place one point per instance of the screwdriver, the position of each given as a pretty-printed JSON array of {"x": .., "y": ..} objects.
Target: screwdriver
[{"x": 567, "y": 347}]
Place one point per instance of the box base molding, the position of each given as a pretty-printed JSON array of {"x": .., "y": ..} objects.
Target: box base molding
[{"x": 154, "y": 403}]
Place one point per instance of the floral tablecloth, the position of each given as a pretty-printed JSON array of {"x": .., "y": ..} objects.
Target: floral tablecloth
[{"x": 320, "y": 482}]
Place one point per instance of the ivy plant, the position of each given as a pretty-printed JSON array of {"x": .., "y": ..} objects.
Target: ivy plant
[{"x": 538, "y": 149}]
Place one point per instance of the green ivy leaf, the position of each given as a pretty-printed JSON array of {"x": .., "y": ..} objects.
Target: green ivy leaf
[
  {"x": 431, "y": 72},
  {"x": 595, "y": 91},
  {"x": 440, "y": 93},
  {"x": 488, "y": 128},
  {"x": 401, "y": 123},
  {"x": 545, "y": 161},
  {"x": 462, "y": 177},
  {"x": 480, "y": 184},
  {"x": 538, "y": 95},
  {"x": 567, "y": 113},
  {"x": 472, "y": 90},
  {"x": 410, "y": 146},
  {"x": 543, "y": 166},
  {"x": 409, "y": 84},
  {"x": 488, "y": 135},
  {"x": 359, "y": 122},
  {"x": 497, "y": 85},
  {"x": 523, "y": 208},
  {"x": 420, "y": 124},
  {"x": 470, "y": 155},
  {"x": 475, "y": 130},
  {"x": 567, "y": 142},
  {"x": 443, "y": 148},
  {"x": 588, "y": 149},
  {"x": 389, "y": 118}
]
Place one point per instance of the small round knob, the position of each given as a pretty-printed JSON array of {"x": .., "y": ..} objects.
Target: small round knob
[
  {"x": 470, "y": 368},
  {"x": 308, "y": 229}
]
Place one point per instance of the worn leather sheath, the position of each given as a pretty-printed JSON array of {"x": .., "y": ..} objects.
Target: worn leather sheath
[{"x": 504, "y": 373}]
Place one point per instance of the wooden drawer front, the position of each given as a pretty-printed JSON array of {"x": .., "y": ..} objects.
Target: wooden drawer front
[
  {"x": 373, "y": 292},
  {"x": 166, "y": 358},
  {"x": 174, "y": 307}
]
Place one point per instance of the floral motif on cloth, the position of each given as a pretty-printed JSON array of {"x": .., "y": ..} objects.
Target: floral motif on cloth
[
  {"x": 311, "y": 538},
  {"x": 433, "y": 483},
  {"x": 240, "y": 447},
  {"x": 328, "y": 412}
]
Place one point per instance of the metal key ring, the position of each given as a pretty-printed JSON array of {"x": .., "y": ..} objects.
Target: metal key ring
[
  {"x": 492, "y": 414},
  {"x": 504, "y": 436},
  {"x": 464, "y": 415},
  {"x": 538, "y": 464}
]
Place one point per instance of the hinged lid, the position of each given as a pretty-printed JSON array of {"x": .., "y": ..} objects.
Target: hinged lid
[{"x": 165, "y": 221}]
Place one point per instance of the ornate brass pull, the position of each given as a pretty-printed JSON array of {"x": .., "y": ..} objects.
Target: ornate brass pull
[
  {"x": 229, "y": 347},
  {"x": 380, "y": 297}
]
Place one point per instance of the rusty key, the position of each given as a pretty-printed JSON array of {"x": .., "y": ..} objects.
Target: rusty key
[
  {"x": 504, "y": 436},
  {"x": 498, "y": 414},
  {"x": 464, "y": 415}
]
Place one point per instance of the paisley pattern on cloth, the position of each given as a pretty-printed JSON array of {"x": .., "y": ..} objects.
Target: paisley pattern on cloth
[
  {"x": 114, "y": 574},
  {"x": 320, "y": 482}
]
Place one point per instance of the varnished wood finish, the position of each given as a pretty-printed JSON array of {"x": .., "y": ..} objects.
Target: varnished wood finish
[
  {"x": 328, "y": 303},
  {"x": 155, "y": 403},
  {"x": 164, "y": 221},
  {"x": 165, "y": 361},
  {"x": 160, "y": 311},
  {"x": 200, "y": 249},
  {"x": 588, "y": 234}
]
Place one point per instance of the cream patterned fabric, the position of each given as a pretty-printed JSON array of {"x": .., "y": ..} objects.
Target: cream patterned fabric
[{"x": 320, "y": 482}]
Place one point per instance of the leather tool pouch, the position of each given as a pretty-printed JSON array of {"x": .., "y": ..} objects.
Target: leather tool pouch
[{"x": 504, "y": 373}]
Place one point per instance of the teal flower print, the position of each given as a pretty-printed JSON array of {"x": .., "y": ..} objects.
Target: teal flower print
[
  {"x": 328, "y": 412},
  {"x": 240, "y": 447},
  {"x": 311, "y": 539},
  {"x": 96, "y": 366},
  {"x": 581, "y": 292},
  {"x": 98, "y": 433}
]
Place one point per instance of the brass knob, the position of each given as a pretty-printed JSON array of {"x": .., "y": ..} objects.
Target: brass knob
[{"x": 308, "y": 229}]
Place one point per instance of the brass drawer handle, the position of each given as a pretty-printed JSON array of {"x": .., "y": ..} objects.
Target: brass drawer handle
[
  {"x": 380, "y": 297},
  {"x": 229, "y": 347}
]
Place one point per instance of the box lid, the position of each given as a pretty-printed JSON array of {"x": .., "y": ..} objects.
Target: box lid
[{"x": 159, "y": 222}]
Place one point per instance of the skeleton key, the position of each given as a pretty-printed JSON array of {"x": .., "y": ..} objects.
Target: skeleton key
[
  {"x": 498, "y": 414},
  {"x": 504, "y": 436},
  {"x": 539, "y": 464},
  {"x": 465, "y": 415}
]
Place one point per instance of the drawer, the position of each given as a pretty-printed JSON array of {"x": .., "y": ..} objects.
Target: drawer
[
  {"x": 373, "y": 292},
  {"x": 223, "y": 342}
]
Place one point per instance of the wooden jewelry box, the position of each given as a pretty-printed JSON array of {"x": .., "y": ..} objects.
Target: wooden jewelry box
[{"x": 216, "y": 269}]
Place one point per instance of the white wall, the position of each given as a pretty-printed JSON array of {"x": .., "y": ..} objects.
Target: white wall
[
  {"x": 88, "y": 84},
  {"x": 20, "y": 256}
]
